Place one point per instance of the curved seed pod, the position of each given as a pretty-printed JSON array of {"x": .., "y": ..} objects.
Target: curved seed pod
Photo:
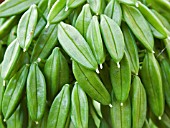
[
  {"x": 56, "y": 72},
  {"x": 151, "y": 18},
  {"x": 97, "y": 6},
  {"x": 59, "y": 109},
  {"x": 91, "y": 84},
  {"x": 13, "y": 92},
  {"x": 45, "y": 43},
  {"x": 9, "y": 8},
  {"x": 94, "y": 40},
  {"x": 5, "y": 28},
  {"x": 139, "y": 26},
  {"x": 74, "y": 15},
  {"x": 74, "y": 3},
  {"x": 50, "y": 4},
  {"x": 121, "y": 79},
  {"x": 79, "y": 107},
  {"x": 127, "y": 2},
  {"x": 113, "y": 38},
  {"x": 26, "y": 27},
  {"x": 12, "y": 35},
  {"x": 131, "y": 48},
  {"x": 152, "y": 80},
  {"x": 114, "y": 11},
  {"x": 36, "y": 93},
  {"x": 83, "y": 20},
  {"x": 76, "y": 46},
  {"x": 10, "y": 58},
  {"x": 58, "y": 12},
  {"x": 121, "y": 115},
  {"x": 139, "y": 103},
  {"x": 165, "y": 69},
  {"x": 2, "y": 90}
]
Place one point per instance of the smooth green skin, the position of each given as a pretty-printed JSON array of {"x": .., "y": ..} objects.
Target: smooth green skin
[
  {"x": 167, "y": 46},
  {"x": 2, "y": 90},
  {"x": 5, "y": 28},
  {"x": 79, "y": 107},
  {"x": 83, "y": 20},
  {"x": 113, "y": 38},
  {"x": 36, "y": 92},
  {"x": 50, "y": 4},
  {"x": 94, "y": 39},
  {"x": 127, "y": 2},
  {"x": 139, "y": 26},
  {"x": 76, "y": 46},
  {"x": 97, "y": 6},
  {"x": 120, "y": 115},
  {"x": 114, "y": 11},
  {"x": 165, "y": 70},
  {"x": 26, "y": 27},
  {"x": 131, "y": 48},
  {"x": 58, "y": 12},
  {"x": 45, "y": 43},
  {"x": 12, "y": 35},
  {"x": 121, "y": 79},
  {"x": 72, "y": 18},
  {"x": 11, "y": 56},
  {"x": 13, "y": 92},
  {"x": 139, "y": 103},
  {"x": 152, "y": 81},
  {"x": 91, "y": 84},
  {"x": 152, "y": 18},
  {"x": 74, "y": 3},
  {"x": 60, "y": 109},
  {"x": 14, "y": 7},
  {"x": 56, "y": 72}
]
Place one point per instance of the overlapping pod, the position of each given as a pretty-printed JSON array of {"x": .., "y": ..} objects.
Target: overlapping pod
[
  {"x": 94, "y": 40},
  {"x": 152, "y": 80},
  {"x": 165, "y": 70},
  {"x": 45, "y": 43},
  {"x": 121, "y": 79},
  {"x": 14, "y": 91},
  {"x": 36, "y": 93},
  {"x": 131, "y": 48},
  {"x": 79, "y": 107},
  {"x": 127, "y": 2},
  {"x": 139, "y": 26},
  {"x": 74, "y": 3},
  {"x": 26, "y": 27},
  {"x": 10, "y": 58},
  {"x": 91, "y": 84},
  {"x": 9, "y": 8},
  {"x": 114, "y": 11},
  {"x": 12, "y": 35},
  {"x": 113, "y": 38},
  {"x": 76, "y": 46},
  {"x": 56, "y": 72},
  {"x": 97, "y": 6},
  {"x": 2, "y": 124},
  {"x": 60, "y": 108},
  {"x": 146, "y": 124},
  {"x": 120, "y": 115},
  {"x": 151, "y": 18},
  {"x": 2, "y": 90},
  {"x": 58, "y": 12},
  {"x": 83, "y": 20},
  {"x": 74, "y": 15},
  {"x": 139, "y": 103}
]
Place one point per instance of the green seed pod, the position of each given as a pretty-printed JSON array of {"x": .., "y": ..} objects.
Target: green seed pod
[
  {"x": 2, "y": 90},
  {"x": 26, "y": 27},
  {"x": 79, "y": 107},
  {"x": 56, "y": 72},
  {"x": 76, "y": 46},
  {"x": 121, "y": 79},
  {"x": 91, "y": 84},
  {"x": 74, "y": 3},
  {"x": 152, "y": 80},
  {"x": 59, "y": 109},
  {"x": 36, "y": 93},
  {"x": 12, "y": 35},
  {"x": 114, "y": 11}
]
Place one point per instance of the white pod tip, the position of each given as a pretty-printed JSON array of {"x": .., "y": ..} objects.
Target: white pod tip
[
  {"x": 101, "y": 66},
  {"x": 137, "y": 4},
  {"x": 4, "y": 120},
  {"x": 66, "y": 9},
  {"x": 153, "y": 52},
  {"x": 48, "y": 24},
  {"x": 3, "y": 82},
  {"x": 39, "y": 59},
  {"x": 97, "y": 71},
  {"x": 24, "y": 50},
  {"x": 110, "y": 105},
  {"x": 159, "y": 118},
  {"x": 36, "y": 122},
  {"x": 97, "y": 14},
  {"x": 121, "y": 104},
  {"x": 118, "y": 64},
  {"x": 168, "y": 37}
]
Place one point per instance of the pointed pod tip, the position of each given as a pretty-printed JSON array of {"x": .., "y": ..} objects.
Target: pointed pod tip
[
  {"x": 137, "y": 4},
  {"x": 121, "y": 104},
  {"x": 101, "y": 66},
  {"x": 39, "y": 59},
  {"x": 48, "y": 24},
  {"x": 118, "y": 64},
  {"x": 97, "y": 71},
  {"x": 24, "y": 50},
  {"x": 36, "y": 122},
  {"x": 3, "y": 82},
  {"x": 168, "y": 37},
  {"x": 159, "y": 118},
  {"x": 4, "y": 120},
  {"x": 110, "y": 105},
  {"x": 66, "y": 9},
  {"x": 153, "y": 52}
]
